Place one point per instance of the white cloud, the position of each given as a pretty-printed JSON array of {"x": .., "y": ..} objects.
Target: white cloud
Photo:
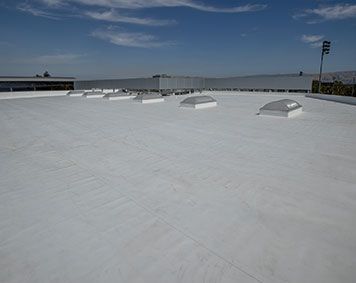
[
  {"x": 311, "y": 38},
  {"x": 52, "y": 2},
  {"x": 327, "y": 13},
  {"x": 337, "y": 12},
  {"x": 129, "y": 39},
  {"x": 24, "y": 7},
  {"x": 114, "y": 16},
  {"x": 55, "y": 59},
  {"x": 114, "y": 9},
  {"x": 141, "y": 4},
  {"x": 239, "y": 9},
  {"x": 114, "y": 13}
]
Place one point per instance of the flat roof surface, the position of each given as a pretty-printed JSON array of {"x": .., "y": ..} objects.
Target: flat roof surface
[{"x": 116, "y": 191}]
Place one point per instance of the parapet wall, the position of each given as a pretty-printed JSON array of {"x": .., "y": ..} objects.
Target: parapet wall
[
  {"x": 29, "y": 94},
  {"x": 336, "y": 98}
]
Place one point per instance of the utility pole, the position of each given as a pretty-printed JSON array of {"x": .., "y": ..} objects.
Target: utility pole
[{"x": 325, "y": 50}]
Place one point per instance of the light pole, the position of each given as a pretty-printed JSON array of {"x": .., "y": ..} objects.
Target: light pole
[{"x": 325, "y": 50}]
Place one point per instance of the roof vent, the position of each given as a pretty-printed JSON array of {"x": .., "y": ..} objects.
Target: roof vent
[
  {"x": 76, "y": 93},
  {"x": 118, "y": 96},
  {"x": 149, "y": 98},
  {"x": 199, "y": 102},
  {"x": 93, "y": 94},
  {"x": 282, "y": 108}
]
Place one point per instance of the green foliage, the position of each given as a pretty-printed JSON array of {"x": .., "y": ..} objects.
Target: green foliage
[
  {"x": 338, "y": 88},
  {"x": 335, "y": 88}
]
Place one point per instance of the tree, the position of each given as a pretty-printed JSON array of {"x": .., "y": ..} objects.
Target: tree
[
  {"x": 46, "y": 74},
  {"x": 338, "y": 88}
]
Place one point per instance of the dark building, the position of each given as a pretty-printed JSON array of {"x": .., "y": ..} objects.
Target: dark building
[{"x": 8, "y": 84}]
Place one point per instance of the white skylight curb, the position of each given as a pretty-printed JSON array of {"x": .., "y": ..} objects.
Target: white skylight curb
[
  {"x": 76, "y": 93},
  {"x": 93, "y": 94},
  {"x": 147, "y": 98}
]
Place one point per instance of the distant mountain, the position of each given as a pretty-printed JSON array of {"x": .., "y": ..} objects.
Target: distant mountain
[{"x": 345, "y": 77}]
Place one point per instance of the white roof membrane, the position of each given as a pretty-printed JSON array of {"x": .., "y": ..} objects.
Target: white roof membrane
[{"x": 92, "y": 191}]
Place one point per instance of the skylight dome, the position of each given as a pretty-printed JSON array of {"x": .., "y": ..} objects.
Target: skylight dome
[
  {"x": 76, "y": 93},
  {"x": 199, "y": 102},
  {"x": 93, "y": 94},
  {"x": 282, "y": 108},
  {"x": 149, "y": 98},
  {"x": 118, "y": 96}
]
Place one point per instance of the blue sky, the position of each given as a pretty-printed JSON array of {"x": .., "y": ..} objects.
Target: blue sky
[{"x": 133, "y": 38}]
